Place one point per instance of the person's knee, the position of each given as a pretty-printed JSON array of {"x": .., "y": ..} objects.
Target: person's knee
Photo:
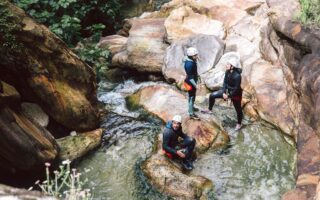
[
  {"x": 193, "y": 141},
  {"x": 190, "y": 141},
  {"x": 215, "y": 94},
  {"x": 212, "y": 96}
]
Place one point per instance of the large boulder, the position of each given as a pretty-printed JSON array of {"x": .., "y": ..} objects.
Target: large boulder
[
  {"x": 160, "y": 101},
  {"x": 76, "y": 146},
  {"x": 24, "y": 144},
  {"x": 166, "y": 177},
  {"x": 47, "y": 72},
  {"x": 35, "y": 113},
  {"x": 284, "y": 10},
  {"x": 9, "y": 95},
  {"x": 145, "y": 48},
  {"x": 259, "y": 78},
  {"x": 183, "y": 22},
  {"x": 210, "y": 50},
  {"x": 271, "y": 94},
  {"x": 114, "y": 43}
]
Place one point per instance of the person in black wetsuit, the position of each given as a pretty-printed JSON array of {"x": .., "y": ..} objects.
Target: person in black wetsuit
[
  {"x": 231, "y": 90},
  {"x": 171, "y": 145},
  {"x": 191, "y": 69}
]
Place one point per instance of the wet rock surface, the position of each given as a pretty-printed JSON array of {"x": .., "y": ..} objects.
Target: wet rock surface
[
  {"x": 76, "y": 146},
  {"x": 167, "y": 177}
]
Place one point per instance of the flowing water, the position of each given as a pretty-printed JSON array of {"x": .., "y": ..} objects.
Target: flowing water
[{"x": 257, "y": 164}]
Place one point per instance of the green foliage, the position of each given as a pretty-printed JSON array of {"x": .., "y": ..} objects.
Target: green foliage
[
  {"x": 310, "y": 12},
  {"x": 65, "y": 184},
  {"x": 94, "y": 56},
  {"x": 73, "y": 19},
  {"x": 8, "y": 26},
  {"x": 96, "y": 30}
]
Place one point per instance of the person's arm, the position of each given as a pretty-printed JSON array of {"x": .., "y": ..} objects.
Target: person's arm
[
  {"x": 224, "y": 87},
  {"x": 182, "y": 134},
  {"x": 166, "y": 141},
  {"x": 237, "y": 86}
]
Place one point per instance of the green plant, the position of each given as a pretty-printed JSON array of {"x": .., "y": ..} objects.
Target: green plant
[
  {"x": 96, "y": 30},
  {"x": 94, "y": 56},
  {"x": 65, "y": 184},
  {"x": 73, "y": 20},
  {"x": 310, "y": 12}
]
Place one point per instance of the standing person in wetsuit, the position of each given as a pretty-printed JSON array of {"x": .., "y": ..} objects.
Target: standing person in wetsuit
[
  {"x": 190, "y": 66},
  {"x": 231, "y": 90},
  {"x": 174, "y": 148}
]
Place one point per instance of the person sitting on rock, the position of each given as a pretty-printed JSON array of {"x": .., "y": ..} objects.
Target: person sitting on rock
[
  {"x": 190, "y": 66},
  {"x": 174, "y": 148},
  {"x": 231, "y": 89}
]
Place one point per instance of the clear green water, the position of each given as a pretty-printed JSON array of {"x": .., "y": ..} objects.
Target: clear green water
[{"x": 258, "y": 164}]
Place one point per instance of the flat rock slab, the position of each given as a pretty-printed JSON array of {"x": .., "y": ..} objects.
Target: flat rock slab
[{"x": 73, "y": 147}]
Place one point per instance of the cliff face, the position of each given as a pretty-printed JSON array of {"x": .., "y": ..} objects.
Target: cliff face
[
  {"x": 299, "y": 49},
  {"x": 45, "y": 71}
]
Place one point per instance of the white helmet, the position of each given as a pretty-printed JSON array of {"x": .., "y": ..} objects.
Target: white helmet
[
  {"x": 191, "y": 51},
  {"x": 177, "y": 118},
  {"x": 234, "y": 62}
]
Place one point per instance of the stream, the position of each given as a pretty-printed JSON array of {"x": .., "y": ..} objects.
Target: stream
[{"x": 258, "y": 163}]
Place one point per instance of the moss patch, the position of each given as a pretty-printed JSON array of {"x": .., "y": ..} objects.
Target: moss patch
[{"x": 132, "y": 102}]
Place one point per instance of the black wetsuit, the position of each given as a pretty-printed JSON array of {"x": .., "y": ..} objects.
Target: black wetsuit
[
  {"x": 231, "y": 87},
  {"x": 171, "y": 143},
  {"x": 190, "y": 66}
]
